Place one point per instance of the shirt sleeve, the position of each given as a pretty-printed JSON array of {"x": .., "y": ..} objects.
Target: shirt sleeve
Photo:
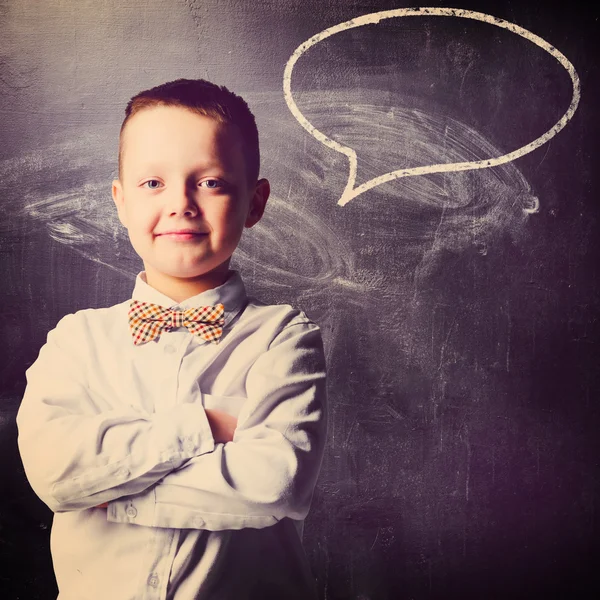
[
  {"x": 269, "y": 470},
  {"x": 78, "y": 449}
]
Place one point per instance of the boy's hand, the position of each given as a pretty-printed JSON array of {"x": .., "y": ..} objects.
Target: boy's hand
[{"x": 221, "y": 424}]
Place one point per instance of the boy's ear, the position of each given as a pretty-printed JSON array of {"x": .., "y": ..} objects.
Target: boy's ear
[
  {"x": 119, "y": 200},
  {"x": 258, "y": 202}
]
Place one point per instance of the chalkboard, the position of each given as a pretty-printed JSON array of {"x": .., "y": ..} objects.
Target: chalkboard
[{"x": 459, "y": 309}]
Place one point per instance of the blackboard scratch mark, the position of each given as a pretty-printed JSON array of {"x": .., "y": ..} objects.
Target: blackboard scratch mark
[
  {"x": 437, "y": 230},
  {"x": 376, "y": 536},
  {"x": 545, "y": 154},
  {"x": 350, "y": 432},
  {"x": 465, "y": 73},
  {"x": 393, "y": 412},
  {"x": 508, "y": 335},
  {"x": 468, "y": 474},
  {"x": 445, "y": 343}
]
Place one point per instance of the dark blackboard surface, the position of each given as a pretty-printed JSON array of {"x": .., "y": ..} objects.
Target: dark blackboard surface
[{"x": 461, "y": 324}]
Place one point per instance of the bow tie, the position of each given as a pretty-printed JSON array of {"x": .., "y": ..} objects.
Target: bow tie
[{"x": 147, "y": 321}]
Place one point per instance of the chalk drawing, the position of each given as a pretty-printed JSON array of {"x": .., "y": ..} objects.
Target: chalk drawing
[
  {"x": 350, "y": 190},
  {"x": 302, "y": 243}
]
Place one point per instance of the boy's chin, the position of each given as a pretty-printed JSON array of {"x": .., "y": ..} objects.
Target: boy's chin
[{"x": 189, "y": 273}]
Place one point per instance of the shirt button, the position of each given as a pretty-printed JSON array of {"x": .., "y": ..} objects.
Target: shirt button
[
  {"x": 199, "y": 522},
  {"x": 169, "y": 349},
  {"x": 153, "y": 581},
  {"x": 131, "y": 512},
  {"x": 123, "y": 473}
]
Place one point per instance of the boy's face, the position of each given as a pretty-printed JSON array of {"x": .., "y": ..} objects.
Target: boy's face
[{"x": 184, "y": 194}]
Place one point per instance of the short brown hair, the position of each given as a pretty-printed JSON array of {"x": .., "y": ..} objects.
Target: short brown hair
[{"x": 207, "y": 99}]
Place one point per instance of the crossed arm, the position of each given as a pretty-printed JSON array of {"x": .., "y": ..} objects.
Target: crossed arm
[
  {"x": 222, "y": 426},
  {"x": 80, "y": 452}
]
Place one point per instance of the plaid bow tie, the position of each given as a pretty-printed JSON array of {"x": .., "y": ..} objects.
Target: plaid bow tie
[{"x": 147, "y": 321}]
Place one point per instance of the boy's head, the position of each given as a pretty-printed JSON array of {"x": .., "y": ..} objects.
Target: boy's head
[
  {"x": 207, "y": 99},
  {"x": 188, "y": 182}
]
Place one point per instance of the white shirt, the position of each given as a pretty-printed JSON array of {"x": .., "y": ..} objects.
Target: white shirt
[{"x": 103, "y": 420}]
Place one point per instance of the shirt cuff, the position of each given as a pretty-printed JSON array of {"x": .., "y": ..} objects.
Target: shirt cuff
[
  {"x": 137, "y": 509},
  {"x": 187, "y": 434},
  {"x": 142, "y": 509}
]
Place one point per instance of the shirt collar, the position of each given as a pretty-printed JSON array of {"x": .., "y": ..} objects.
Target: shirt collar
[{"x": 231, "y": 293}]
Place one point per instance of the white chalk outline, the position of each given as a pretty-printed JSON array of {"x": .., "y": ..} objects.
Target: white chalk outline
[{"x": 351, "y": 192}]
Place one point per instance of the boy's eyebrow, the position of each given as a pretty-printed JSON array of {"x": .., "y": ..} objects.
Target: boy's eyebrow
[{"x": 208, "y": 166}]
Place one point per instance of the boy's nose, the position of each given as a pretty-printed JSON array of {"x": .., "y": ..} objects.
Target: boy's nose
[{"x": 182, "y": 201}]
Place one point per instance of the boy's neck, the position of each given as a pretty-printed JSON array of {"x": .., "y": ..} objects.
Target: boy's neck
[{"x": 180, "y": 289}]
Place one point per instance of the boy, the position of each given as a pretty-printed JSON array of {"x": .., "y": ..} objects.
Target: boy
[{"x": 178, "y": 436}]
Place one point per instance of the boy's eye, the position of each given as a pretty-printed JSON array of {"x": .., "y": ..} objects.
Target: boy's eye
[
  {"x": 152, "y": 184},
  {"x": 211, "y": 184}
]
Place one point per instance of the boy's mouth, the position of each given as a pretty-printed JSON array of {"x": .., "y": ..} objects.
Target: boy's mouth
[{"x": 182, "y": 234}]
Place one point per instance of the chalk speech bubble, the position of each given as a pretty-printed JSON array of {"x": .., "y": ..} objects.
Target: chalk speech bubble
[{"x": 350, "y": 191}]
